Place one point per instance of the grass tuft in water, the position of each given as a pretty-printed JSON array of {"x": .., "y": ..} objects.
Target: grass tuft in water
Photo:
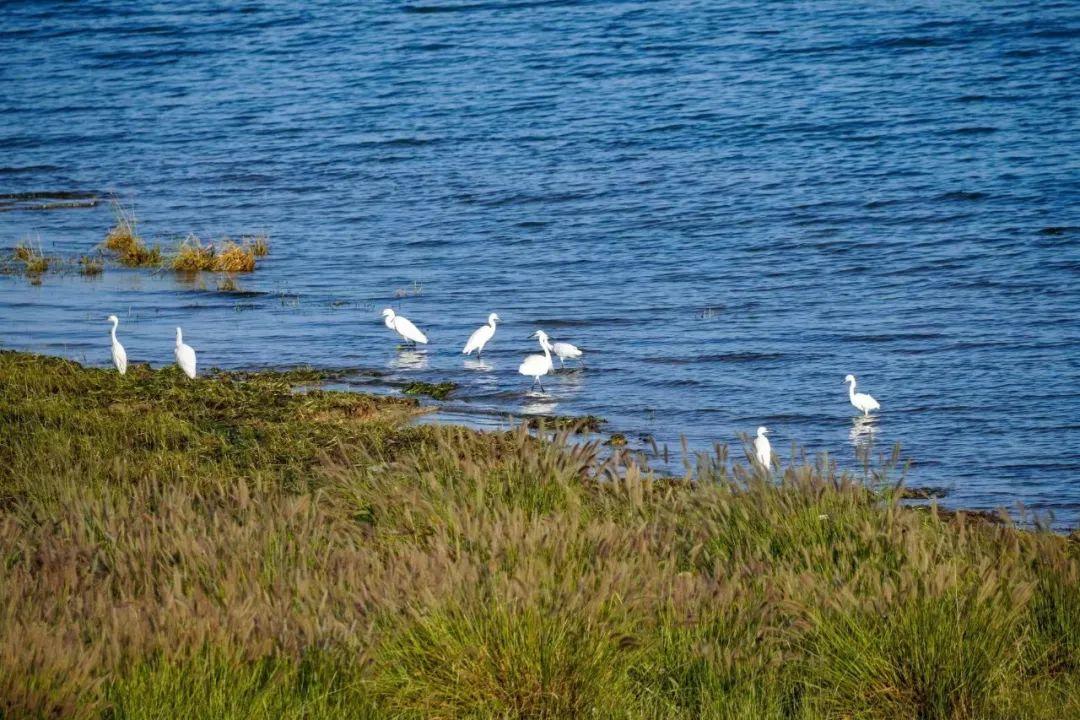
[
  {"x": 124, "y": 241},
  {"x": 192, "y": 256},
  {"x": 230, "y": 257},
  {"x": 90, "y": 266},
  {"x": 34, "y": 261}
]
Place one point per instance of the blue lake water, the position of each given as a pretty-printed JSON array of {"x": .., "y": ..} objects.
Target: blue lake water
[{"x": 728, "y": 205}]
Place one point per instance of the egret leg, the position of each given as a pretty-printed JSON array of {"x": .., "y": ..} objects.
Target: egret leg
[{"x": 541, "y": 385}]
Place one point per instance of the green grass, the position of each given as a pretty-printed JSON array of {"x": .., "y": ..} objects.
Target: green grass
[
  {"x": 233, "y": 548},
  {"x": 579, "y": 424},
  {"x": 439, "y": 391}
]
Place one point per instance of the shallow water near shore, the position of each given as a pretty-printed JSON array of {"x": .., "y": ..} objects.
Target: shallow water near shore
[{"x": 728, "y": 206}]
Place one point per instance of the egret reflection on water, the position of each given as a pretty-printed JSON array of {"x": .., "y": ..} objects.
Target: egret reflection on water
[
  {"x": 479, "y": 364},
  {"x": 539, "y": 407},
  {"x": 863, "y": 430},
  {"x": 408, "y": 359}
]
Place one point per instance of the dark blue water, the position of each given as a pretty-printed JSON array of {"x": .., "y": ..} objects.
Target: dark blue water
[{"x": 728, "y": 205}]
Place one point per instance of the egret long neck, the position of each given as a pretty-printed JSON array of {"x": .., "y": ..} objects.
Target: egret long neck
[
  {"x": 113, "y": 331},
  {"x": 179, "y": 337},
  {"x": 851, "y": 390}
]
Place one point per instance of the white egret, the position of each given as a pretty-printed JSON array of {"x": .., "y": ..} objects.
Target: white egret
[
  {"x": 565, "y": 351},
  {"x": 861, "y": 401},
  {"x": 762, "y": 448},
  {"x": 481, "y": 336},
  {"x": 561, "y": 350},
  {"x": 403, "y": 327},
  {"x": 119, "y": 357},
  {"x": 536, "y": 366},
  {"x": 185, "y": 355}
]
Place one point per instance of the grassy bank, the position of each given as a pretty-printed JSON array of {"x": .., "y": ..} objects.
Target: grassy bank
[{"x": 231, "y": 548}]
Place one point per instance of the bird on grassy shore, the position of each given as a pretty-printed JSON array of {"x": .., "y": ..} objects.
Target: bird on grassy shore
[
  {"x": 536, "y": 366},
  {"x": 119, "y": 357},
  {"x": 481, "y": 336},
  {"x": 861, "y": 401},
  {"x": 403, "y": 327},
  {"x": 185, "y": 355},
  {"x": 762, "y": 448}
]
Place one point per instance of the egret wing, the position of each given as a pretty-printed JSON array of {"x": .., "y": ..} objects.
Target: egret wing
[
  {"x": 409, "y": 331},
  {"x": 477, "y": 340},
  {"x": 185, "y": 358},
  {"x": 119, "y": 357},
  {"x": 566, "y": 350},
  {"x": 534, "y": 365}
]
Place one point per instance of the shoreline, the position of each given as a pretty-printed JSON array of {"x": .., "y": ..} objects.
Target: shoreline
[{"x": 661, "y": 460}]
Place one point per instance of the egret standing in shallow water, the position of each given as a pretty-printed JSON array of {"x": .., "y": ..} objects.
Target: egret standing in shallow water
[
  {"x": 403, "y": 327},
  {"x": 762, "y": 448},
  {"x": 481, "y": 336},
  {"x": 536, "y": 366},
  {"x": 560, "y": 349},
  {"x": 861, "y": 401},
  {"x": 565, "y": 351},
  {"x": 119, "y": 357},
  {"x": 185, "y": 355}
]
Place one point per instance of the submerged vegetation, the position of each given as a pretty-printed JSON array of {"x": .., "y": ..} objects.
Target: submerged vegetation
[
  {"x": 439, "y": 391},
  {"x": 578, "y": 424},
  {"x": 91, "y": 266},
  {"x": 231, "y": 547}
]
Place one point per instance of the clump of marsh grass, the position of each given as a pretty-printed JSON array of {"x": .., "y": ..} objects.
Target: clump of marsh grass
[
  {"x": 233, "y": 258},
  {"x": 34, "y": 261},
  {"x": 91, "y": 266},
  {"x": 228, "y": 256},
  {"x": 260, "y": 244},
  {"x": 123, "y": 235},
  {"x": 192, "y": 256},
  {"x": 124, "y": 241},
  {"x": 174, "y": 549}
]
